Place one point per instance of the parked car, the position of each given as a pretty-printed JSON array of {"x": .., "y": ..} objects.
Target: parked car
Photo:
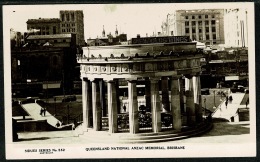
[{"x": 69, "y": 98}]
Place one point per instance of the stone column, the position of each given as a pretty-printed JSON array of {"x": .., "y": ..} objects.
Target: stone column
[
  {"x": 175, "y": 103},
  {"x": 155, "y": 106},
  {"x": 97, "y": 117},
  {"x": 102, "y": 98},
  {"x": 181, "y": 95},
  {"x": 190, "y": 106},
  {"x": 197, "y": 98},
  {"x": 148, "y": 94},
  {"x": 86, "y": 103},
  {"x": 112, "y": 106},
  {"x": 165, "y": 94},
  {"x": 117, "y": 95},
  {"x": 133, "y": 107}
]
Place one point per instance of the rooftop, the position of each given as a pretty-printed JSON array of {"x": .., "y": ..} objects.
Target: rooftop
[
  {"x": 53, "y": 36},
  {"x": 43, "y": 20}
]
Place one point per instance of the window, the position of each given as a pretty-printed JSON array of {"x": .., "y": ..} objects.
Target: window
[
  {"x": 47, "y": 28},
  {"x": 213, "y": 29},
  {"x": 193, "y": 17},
  {"x": 187, "y": 30},
  {"x": 43, "y": 33},
  {"x": 213, "y": 22},
  {"x": 186, "y": 17},
  {"x": 214, "y": 36},
  {"x": 62, "y": 17},
  {"x": 54, "y": 30},
  {"x": 72, "y": 17},
  {"x": 212, "y": 16},
  {"x": 200, "y": 23},
  {"x": 68, "y": 30},
  {"x": 207, "y": 29},
  {"x": 199, "y": 16},
  {"x": 207, "y": 36},
  {"x": 193, "y": 22},
  {"x": 193, "y": 30},
  {"x": 206, "y": 16},
  {"x": 171, "y": 32},
  {"x": 68, "y": 17},
  {"x": 193, "y": 36},
  {"x": 200, "y": 30},
  {"x": 68, "y": 25},
  {"x": 186, "y": 23},
  {"x": 64, "y": 40},
  {"x": 47, "y": 33},
  {"x": 206, "y": 22},
  {"x": 55, "y": 41}
]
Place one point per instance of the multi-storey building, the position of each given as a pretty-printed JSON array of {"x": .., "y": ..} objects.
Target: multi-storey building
[
  {"x": 72, "y": 22},
  {"x": 44, "y": 26},
  {"x": 44, "y": 59},
  {"x": 206, "y": 26},
  {"x": 236, "y": 28}
]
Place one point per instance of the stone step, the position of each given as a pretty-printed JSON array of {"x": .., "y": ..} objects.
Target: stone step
[{"x": 105, "y": 137}]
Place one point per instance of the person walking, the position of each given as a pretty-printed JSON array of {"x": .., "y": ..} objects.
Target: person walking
[
  {"x": 124, "y": 108},
  {"x": 230, "y": 98},
  {"x": 44, "y": 111},
  {"x": 226, "y": 103}
]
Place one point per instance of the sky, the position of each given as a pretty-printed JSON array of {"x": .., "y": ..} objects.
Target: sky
[{"x": 131, "y": 19}]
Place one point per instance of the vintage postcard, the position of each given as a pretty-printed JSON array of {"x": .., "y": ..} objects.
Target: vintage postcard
[{"x": 158, "y": 80}]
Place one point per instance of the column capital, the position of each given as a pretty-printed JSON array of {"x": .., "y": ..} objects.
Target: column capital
[
  {"x": 84, "y": 79},
  {"x": 131, "y": 80},
  {"x": 154, "y": 79},
  {"x": 108, "y": 80},
  {"x": 188, "y": 76},
  {"x": 175, "y": 77},
  {"x": 94, "y": 79}
]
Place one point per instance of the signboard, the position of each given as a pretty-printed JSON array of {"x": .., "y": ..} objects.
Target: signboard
[
  {"x": 227, "y": 78},
  {"x": 50, "y": 85},
  {"x": 171, "y": 39}
]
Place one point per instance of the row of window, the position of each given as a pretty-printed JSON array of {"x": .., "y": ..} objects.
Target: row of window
[
  {"x": 69, "y": 30},
  {"x": 201, "y": 37},
  {"x": 68, "y": 25},
  {"x": 199, "y": 16},
  {"x": 213, "y": 29},
  {"x": 187, "y": 23},
  {"x": 42, "y": 30},
  {"x": 52, "y": 41},
  {"x": 68, "y": 16}
]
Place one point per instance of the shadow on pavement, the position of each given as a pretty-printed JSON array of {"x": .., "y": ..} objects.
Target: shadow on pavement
[{"x": 228, "y": 128}]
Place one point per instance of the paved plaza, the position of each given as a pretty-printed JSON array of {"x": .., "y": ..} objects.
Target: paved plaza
[{"x": 222, "y": 132}]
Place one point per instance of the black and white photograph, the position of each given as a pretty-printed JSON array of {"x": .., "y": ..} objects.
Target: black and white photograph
[{"x": 142, "y": 80}]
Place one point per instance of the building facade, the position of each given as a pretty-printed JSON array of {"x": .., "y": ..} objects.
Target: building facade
[
  {"x": 45, "y": 59},
  {"x": 44, "y": 26},
  {"x": 72, "y": 21},
  {"x": 205, "y": 26},
  {"x": 236, "y": 28}
]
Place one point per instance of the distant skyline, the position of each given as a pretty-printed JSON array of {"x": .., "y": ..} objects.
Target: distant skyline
[{"x": 130, "y": 19}]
